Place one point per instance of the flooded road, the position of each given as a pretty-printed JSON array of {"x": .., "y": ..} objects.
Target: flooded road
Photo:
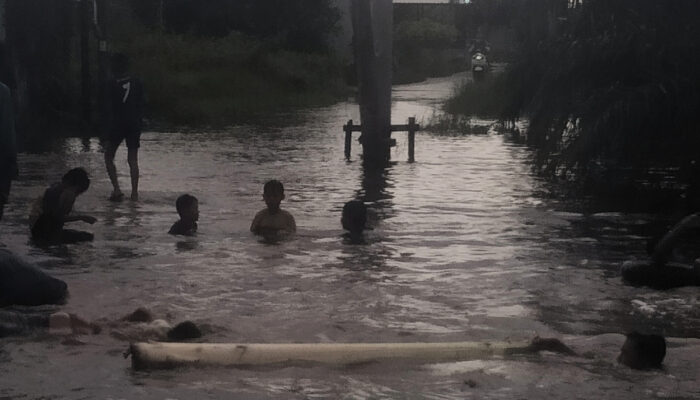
[{"x": 467, "y": 245}]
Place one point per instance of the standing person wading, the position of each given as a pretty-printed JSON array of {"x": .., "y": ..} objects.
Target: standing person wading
[{"x": 127, "y": 106}]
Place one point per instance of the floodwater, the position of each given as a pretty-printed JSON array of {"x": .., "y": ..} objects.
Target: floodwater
[{"x": 467, "y": 245}]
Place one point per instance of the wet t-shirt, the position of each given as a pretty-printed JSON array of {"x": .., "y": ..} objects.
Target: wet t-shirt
[{"x": 127, "y": 104}]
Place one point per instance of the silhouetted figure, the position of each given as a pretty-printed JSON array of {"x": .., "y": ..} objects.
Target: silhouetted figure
[
  {"x": 478, "y": 45},
  {"x": 23, "y": 284},
  {"x": 662, "y": 252},
  {"x": 140, "y": 326},
  {"x": 139, "y": 315},
  {"x": 273, "y": 222},
  {"x": 53, "y": 210},
  {"x": 127, "y": 109},
  {"x": 354, "y": 219},
  {"x": 8, "y": 146},
  {"x": 666, "y": 269},
  {"x": 188, "y": 208},
  {"x": 183, "y": 331},
  {"x": 641, "y": 351}
]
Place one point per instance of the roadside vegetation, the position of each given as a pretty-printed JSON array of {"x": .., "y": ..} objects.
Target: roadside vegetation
[
  {"x": 421, "y": 50},
  {"x": 223, "y": 62},
  {"x": 203, "y": 63},
  {"x": 193, "y": 81},
  {"x": 610, "y": 89}
]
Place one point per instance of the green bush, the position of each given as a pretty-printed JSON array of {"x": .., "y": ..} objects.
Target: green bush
[{"x": 485, "y": 99}]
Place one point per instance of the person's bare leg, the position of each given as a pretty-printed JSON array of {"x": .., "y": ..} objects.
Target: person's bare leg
[
  {"x": 110, "y": 151},
  {"x": 133, "y": 159}
]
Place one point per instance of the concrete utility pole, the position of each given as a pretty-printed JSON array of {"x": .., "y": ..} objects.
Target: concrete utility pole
[{"x": 372, "y": 22}]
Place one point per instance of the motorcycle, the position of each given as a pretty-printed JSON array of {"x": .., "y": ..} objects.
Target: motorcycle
[{"x": 480, "y": 65}]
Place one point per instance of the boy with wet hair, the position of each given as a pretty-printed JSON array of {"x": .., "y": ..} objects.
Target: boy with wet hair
[
  {"x": 188, "y": 208},
  {"x": 273, "y": 221},
  {"x": 53, "y": 210},
  {"x": 354, "y": 220},
  {"x": 643, "y": 351},
  {"x": 126, "y": 94}
]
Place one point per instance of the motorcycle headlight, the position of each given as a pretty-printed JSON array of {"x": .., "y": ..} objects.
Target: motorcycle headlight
[{"x": 479, "y": 57}]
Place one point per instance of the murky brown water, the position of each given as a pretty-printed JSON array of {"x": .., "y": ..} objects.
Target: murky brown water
[{"x": 467, "y": 245}]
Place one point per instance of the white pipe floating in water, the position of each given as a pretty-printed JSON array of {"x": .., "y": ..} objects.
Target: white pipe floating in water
[{"x": 168, "y": 355}]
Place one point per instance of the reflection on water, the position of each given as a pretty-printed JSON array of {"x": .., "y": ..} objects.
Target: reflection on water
[{"x": 465, "y": 245}]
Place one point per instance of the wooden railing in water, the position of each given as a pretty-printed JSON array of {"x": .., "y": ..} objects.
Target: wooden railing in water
[{"x": 411, "y": 128}]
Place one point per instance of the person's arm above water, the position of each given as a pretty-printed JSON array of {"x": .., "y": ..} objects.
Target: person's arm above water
[
  {"x": 80, "y": 217},
  {"x": 663, "y": 249},
  {"x": 175, "y": 229},
  {"x": 255, "y": 225},
  {"x": 291, "y": 225},
  {"x": 65, "y": 205}
]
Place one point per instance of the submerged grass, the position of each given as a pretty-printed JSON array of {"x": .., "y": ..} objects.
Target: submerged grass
[{"x": 191, "y": 81}]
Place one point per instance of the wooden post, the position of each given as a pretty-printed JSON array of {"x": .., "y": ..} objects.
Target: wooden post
[
  {"x": 348, "y": 138},
  {"x": 372, "y": 22},
  {"x": 411, "y": 138}
]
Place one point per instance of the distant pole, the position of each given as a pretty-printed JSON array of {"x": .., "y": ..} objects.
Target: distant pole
[
  {"x": 372, "y": 22},
  {"x": 85, "y": 62}
]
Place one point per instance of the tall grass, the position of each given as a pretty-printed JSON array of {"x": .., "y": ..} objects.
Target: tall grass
[
  {"x": 193, "y": 81},
  {"x": 614, "y": 87},
  {"x": 488, "y": 98}
]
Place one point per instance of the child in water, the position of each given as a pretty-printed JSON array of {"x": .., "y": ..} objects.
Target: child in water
[
  {"x": 273, "y": 221},
  {"x": 188, "y": 208},
  {"x": 354, "y": 220},
  {"x": 52, "y": 210}
]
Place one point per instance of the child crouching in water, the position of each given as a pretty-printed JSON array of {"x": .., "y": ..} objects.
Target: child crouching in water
[
  {"x": 53, "y": 210},
  {"x": 188, "y": 208},
  {"x": 273, "y": 221}
]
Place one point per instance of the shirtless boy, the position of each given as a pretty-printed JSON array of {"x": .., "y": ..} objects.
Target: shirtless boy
[
  {"x": 188, "y": 208},
  {"x": 54, "y": 208},
  {"x": 273, "y": 220}
]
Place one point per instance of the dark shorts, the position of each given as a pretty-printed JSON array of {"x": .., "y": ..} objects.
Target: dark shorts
[
  {"x": 47, "y": 231},
  {"x": 64, "y": 236},
  {"x": 132, "y": 137}
]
